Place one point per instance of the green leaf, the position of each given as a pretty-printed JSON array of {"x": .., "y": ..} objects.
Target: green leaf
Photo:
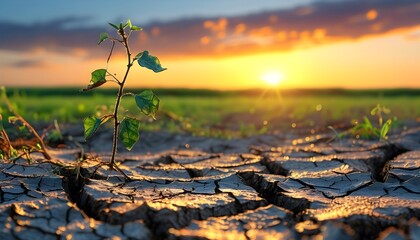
[
  {"x": 91, "y": 124},
  {"x": 98, "y": 75},
  {"x": 113, "y": 25},
  {"x": 102, "y": 37},
  {"x": 385, "y": 128},
  {"x": 98, "y": 79},
  {"x": 128, "y": 23},
  {"x": 375, "y": 110},
  {"x": 129, "y": 132},
  {"x": 368, "y": 124},
  {"x": 147, "y": 102},
  {"x": 135, "y": 28},
  {"x": 150, "y": 62}
]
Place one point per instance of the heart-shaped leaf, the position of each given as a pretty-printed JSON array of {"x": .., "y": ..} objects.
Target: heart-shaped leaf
[
  {"x": 149, "y": 61},
  {"x": 147, "y": 102},
  {"x": 98, "y": 75},
  {"x": 129, "y": 132},
  {"x": 91, "y": 124},
  {"x": 98, "y": 79}
]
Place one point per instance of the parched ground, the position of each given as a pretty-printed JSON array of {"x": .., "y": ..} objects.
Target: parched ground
[{"x": 185, "y": 187}]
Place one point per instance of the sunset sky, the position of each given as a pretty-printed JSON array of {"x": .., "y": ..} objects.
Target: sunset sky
[{"x": 216, "y": 44}]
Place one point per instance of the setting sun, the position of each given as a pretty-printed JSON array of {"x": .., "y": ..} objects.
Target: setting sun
[{"x": 272, "y": 78}]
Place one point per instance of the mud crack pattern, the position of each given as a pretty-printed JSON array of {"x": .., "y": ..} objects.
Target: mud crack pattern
[{"x": 263, "y": 187}]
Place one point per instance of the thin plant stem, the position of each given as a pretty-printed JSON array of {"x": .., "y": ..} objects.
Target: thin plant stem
[
  {"x": 29, "y": 126},
  {"x": 117, "y": 103},
  {"x": 6, "y": 141},
  {"x": 114, "y": 78}
]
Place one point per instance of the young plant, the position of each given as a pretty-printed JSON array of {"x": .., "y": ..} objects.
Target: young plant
[
  {"x": 378, "y": 111},
  {"x": 127, "y": 129},
  {"x": 7, "y": 148},
  {"x": 368, "y": 130},
  {"x": 5, "y": 145},
  {"x": 337, "y": 135}
]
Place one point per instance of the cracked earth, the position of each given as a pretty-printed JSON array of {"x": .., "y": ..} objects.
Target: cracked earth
[{"x": 185, "y": 187}]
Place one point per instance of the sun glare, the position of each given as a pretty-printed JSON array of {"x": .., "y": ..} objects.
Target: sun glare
[{"x": 272, "y": 78}]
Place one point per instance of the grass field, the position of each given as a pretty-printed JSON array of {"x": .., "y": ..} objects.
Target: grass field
[{"x": 213, "y": 113}]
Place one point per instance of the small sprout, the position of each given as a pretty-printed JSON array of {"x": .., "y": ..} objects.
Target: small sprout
[
  {"x": 367, "y": 130},
  {"x": 378, "y": 111},
  {"x": 5, "y": 145},
  {"x": 8, "y": 151}
]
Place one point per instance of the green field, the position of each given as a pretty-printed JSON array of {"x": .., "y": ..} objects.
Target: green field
[{"x": 215, "y": 113}]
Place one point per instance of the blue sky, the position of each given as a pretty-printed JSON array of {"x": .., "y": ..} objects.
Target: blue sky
[
  {"x": 312, "y": 43},
  {"x": 142, "y": 12}
]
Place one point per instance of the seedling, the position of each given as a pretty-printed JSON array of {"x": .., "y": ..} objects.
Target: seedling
[
  {"x": 5, "y": 145},
  {"x": 367, "y": 130},
  {"x": 378, "y": 111},
  {"x": 7, "y": 150},
  {"x": 337, "y": 135},
  {"x": 126, "y": 129}
]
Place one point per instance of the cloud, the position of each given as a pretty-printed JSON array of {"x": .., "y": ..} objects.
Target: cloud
[
  {"x": 53, "y": 36},
  {"x": 276, "y": 30},
  {"x": 413, "y": 36},
  {"x": 29, "y": 63}
]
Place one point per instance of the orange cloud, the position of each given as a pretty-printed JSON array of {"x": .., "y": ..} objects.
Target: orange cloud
[
  {"x": 276, "y": 30},
  {"x": 372, "y": 14}
]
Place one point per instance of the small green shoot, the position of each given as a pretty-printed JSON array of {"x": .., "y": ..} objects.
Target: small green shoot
[
  {"x": 367, "y": 130},
  {"x": 378, "y": 111},
  {"x": 24, "y": 127},
  {"x": 126, "y": 129},
  {"x": 5, "y": 145},
  {"x": 337, "y": 135},
  {"x": 385, "y": 128}
]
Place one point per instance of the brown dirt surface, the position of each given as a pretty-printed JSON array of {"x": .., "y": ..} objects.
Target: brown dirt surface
[{"x": 274, "y": 186}]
